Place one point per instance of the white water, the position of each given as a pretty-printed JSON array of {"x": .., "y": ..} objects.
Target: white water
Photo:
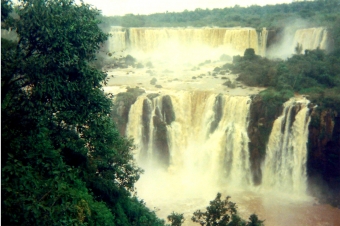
[
  {"x": 284, "y": 168},
  {"x": 311, "y": 38},
  {"x": 222, "y": 156},
  {"x": 195, "y": 153},
  {"x": 203, "y": 163},
  {"x": 117, "y": 39},
  {"x": 142, "y": 41}
]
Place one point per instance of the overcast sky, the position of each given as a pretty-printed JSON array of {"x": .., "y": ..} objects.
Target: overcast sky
[{"x": 122, "y": 7}]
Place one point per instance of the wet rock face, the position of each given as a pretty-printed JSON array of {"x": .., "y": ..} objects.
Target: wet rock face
[
  {"x": 156, "y": 115},
  {"x": 218, "y": 110},
  {"x": 259, "y": 128},
  {"x": 294, "y": 111},
  {"x": 146, "y": 118},
  {"x": 122, "y": 105},
  {"x": 323, "y": 164},
  {"x": 164, "y": 115},
  {"x": 160, "y": 142},
  {"x": 168, "y": 110}
]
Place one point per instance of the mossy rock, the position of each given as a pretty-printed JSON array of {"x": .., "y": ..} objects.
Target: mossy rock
[
  {"x": 152, "y": 95},
  {"x": 153, "y": 81}
]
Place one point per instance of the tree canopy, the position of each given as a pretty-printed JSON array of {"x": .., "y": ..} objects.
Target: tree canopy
[
  {"x": 317, "y": 13},
  {"x": 223, "y": 213},
  {"x": 63, "y": 160}
]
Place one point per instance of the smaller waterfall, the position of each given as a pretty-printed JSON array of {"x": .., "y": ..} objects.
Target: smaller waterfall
[
  {"x": 311, "y": 38},
  {"x": 117, "y": 39},
  {"x": 285, "y": 166}
]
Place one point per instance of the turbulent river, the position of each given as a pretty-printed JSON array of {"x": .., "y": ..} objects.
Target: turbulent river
[{"x": 191, "y": 138}]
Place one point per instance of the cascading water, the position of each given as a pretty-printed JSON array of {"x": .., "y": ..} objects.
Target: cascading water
[
  {"x": 285, "y": 165},
  {"x": 117, "y": 39},
  {"x": 195, "y": 144},
  {"x": 148, "y": 40},
  {"x": 308, "y": 38},
  {"x": 311, "y": 38},
  {"x": 263, "y": 42},
  {"x": 206, "y": 139}
]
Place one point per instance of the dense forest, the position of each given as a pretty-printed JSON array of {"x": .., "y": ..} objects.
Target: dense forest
[
  {"x": 317, "y": 13},
  {"x": 63, "y": 159}
]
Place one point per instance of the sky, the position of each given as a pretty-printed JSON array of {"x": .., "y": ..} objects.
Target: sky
[{"x": 122, "y": 7}]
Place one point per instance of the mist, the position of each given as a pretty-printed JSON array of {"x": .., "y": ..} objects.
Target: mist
[{"x": 297, "y": 32}]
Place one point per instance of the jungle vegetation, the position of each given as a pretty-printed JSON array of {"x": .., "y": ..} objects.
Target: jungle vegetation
[
  {"x": 317, "y": 13},
  {"x": 63, "y": 162}
]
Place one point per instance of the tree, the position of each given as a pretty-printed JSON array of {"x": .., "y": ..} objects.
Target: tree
[
  {"x": 63, "y": 160},
  {"x": 223, "y": 213},
  {"x": 254, "y": 221},
  {"x": 249, "y": 54},
  {"x": 176, "y": 219},
  {"x": 218, "y": 213},
  {"x": 6, "y": 8}
]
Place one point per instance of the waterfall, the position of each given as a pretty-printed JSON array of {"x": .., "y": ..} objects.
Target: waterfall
[
  {"x": 263, "y": 42},
  {"x": 200, "y": 135},
  {"x": 311, "y": 38},
  {"x": 204, "y": 136},
  {"x": 152, "y": 39},
  {"x": 285, "y": 165},
  {"x": 117, "y": 39}
]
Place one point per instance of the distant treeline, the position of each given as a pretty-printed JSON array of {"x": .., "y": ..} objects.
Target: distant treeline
[{"x": 317, "y": 13}]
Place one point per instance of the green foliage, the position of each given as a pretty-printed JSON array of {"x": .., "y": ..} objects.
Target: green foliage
[
  {"x": 319, "y": 13},
  {"x": 249, "y": 54},
  {"x": 218, "y": 213},
  {"x": 176, "y": 219},
  {"x": 131, "y": 20},
  {"x": 222, "y": 213},
  {"x": 253, "y": 70},
  {"x": 254, "y": 221},
  {"x": 6, "y": 9},
  {"x": 64, "y": 162},
  {"x": 314, "y": 73}
]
